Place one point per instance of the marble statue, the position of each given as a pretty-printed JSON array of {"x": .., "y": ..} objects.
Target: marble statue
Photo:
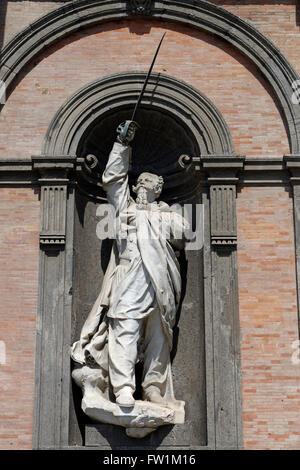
[{"x": 135, "y": 312}]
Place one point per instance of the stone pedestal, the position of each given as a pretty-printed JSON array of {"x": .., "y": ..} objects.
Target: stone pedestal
[{"x": 140, "y": 420}]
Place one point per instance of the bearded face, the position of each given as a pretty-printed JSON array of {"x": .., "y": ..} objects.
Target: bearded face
[{"x": 148, "y": 188}]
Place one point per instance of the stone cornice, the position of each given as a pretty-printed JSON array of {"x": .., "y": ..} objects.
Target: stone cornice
[
  {"x": 17, "y": 171},
  {"x": 292, "y": 163},
  {"x": 32, "y": 171},
  {"x": 53, "y": 162},
  {"x": 242, "y": 170},
  {"x": 219, "y": 169},
  {"x": 249, "y": 170},
  {"x": 53, "y": 170},
  {"x": 222, "y": 168}
]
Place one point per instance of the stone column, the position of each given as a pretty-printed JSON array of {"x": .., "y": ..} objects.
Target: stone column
[
  {"x": 51, "y": 421},
  {"x": 222, "y": 176}
]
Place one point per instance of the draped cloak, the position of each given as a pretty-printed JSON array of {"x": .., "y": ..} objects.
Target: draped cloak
[{"x": 156, "y": 256}]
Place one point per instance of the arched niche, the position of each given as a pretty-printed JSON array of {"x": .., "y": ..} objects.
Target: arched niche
[{"x": 174, "y": 118}]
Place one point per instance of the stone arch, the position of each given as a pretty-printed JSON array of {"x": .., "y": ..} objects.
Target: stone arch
[
  {"x": 175, "y": 119},
  {"x": 200, "y": 14},
  {"x": 165, "y": 93}
]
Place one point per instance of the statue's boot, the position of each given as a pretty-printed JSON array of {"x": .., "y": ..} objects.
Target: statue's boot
[
  {"x": 153, "y": 394},
  {"x": 124, "y": 397}
]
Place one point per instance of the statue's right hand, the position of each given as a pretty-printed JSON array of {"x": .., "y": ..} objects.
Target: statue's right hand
[{"x": 126, "y": 132}]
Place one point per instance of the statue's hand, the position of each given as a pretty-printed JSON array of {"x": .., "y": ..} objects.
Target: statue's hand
[{"x": 126, "y": 132}]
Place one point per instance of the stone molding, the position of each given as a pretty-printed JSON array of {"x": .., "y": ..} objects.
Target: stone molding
[{"x": 200, "y": 14}]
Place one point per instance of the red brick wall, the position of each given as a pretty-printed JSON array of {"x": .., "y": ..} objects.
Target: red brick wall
[
  {"x": 280, "y": 21},
  {"x": 19, "y": 228},
  {"x": 203, "y": 61},
  {"x": 268, "y": 316},
  {"x": 17, "y": 15},
  {"x": 268, "y": 312}
]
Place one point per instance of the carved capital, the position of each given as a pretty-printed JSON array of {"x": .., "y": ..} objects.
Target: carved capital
[
  {"x": 222, "y": 173},
  {"x": 54, "y": 170},
  {"x": 223, "y": 216},
  {"x": 222, "y": 169},
  {"x": 54, "y": 178},
  {"x": 53, "y": 216}
]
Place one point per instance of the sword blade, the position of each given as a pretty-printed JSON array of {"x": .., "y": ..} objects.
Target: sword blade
[{"x": 147, "y": 79}]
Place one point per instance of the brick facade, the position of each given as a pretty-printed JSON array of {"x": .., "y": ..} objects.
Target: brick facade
[
  {"x": 268, "y": 317},
  {"x": 19, "y": 221},
  {"x": 267, "y": 285}
]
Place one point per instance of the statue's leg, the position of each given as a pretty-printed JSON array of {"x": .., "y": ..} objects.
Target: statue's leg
[
  {"x": 156, "y": 378},
  {"x": 122, "y": 352}
]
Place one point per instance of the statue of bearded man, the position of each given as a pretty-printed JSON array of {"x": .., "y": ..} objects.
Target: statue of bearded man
[{"x": 135, "y": 312}]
